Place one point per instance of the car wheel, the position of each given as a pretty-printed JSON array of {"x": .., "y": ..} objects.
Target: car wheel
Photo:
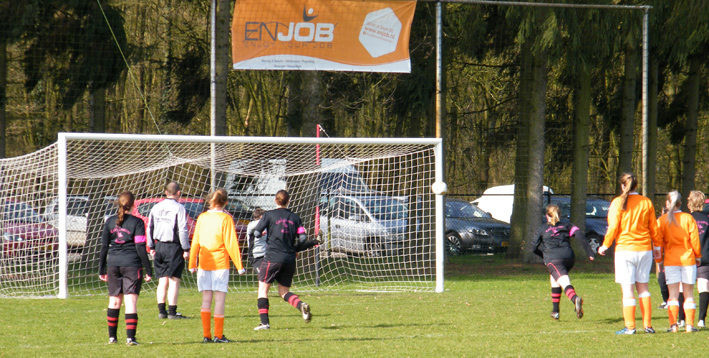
[
  {"x": 594, "y": 240},
  {"x": 453, "y": 244}
]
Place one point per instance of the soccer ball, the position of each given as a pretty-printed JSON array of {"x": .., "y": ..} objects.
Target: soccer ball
[{"x": 439, "y": 188}]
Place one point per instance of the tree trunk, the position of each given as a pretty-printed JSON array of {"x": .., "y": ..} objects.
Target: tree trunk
[
  {"x": 579, "y": 167},
  {"x": 221, "y": 70},
  {"x": 294, "y": 115},
  {"x": 97, "y": 110},
  {"x": 3, "y": 94},
  {"x": 652, "y": 128},
  {"x": 690, "y": 136},
  {"x": 529, "y": 162},
  {"x": 627, "y": 124},
  {"x": 312, "y": 103}
]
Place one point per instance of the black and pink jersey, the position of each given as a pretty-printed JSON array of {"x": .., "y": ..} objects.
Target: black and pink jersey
[
  {"x": 284, "y": 228},
  {"x": 702, "y": 224},
  {"x": 552, "y": 241},
  {"x": 124, "y": 246}
]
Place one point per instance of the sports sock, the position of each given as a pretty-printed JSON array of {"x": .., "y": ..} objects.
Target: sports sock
[
  {"x": 206, "y": 315},
  {"x": 680, "y": 313},
  {"x": 629, "y": 312},
  {"x": 112, "y": 317},
  {"x": 293, "y": 299},
  {"x": 570, "y": 293},
  {"x": 672, "y": 310},
  {"x": 703, "y": 303},
  {"x": 219, "y": 325},
  {"x": 555, "y": 298},
  {"x": 172, "y": 310},
  {"x": 689, "y": 309},
  {"x": 161, "y": 308},
  {"x": 263, "y": 310},
  {"x": 646, "y": 308},
  {"x": 664, "y": 290},
  {"x": 131, "y": 324}
]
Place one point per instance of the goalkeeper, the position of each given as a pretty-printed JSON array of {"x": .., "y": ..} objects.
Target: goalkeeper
[
  {"x": 257, "y": 245},
  {"x": 286, "y": 236}
]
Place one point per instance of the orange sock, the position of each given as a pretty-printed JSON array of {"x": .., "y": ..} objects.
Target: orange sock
[
  {"x": 206, "y": 322},
  {"x": 629, "y": 312},
  {"x": 646, "y": 310},
  {"x": 689, "y": 309},
  {"x": 219, "y": 325},
  {"x": 672, "y": 310}
]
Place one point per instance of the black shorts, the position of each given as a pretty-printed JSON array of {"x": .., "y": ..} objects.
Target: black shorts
[
  {"x": 276, "y": 271},
  {"x": 124, "y": 280},
  {"x": 703, "y": 272},
  {"x": 257, "y": 264},
  {"x": 558, "y": 268},
  {"x": 168, "y": 260}
]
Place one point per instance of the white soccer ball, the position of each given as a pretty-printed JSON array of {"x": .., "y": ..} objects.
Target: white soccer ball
[{"x": 439, "y": 188}]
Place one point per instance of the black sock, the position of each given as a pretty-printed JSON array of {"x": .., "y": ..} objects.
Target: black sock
[
  {"x": 112, "y": 317},
  {"x": 703, "y": 302},
  {"x": 263, "y": 310},
  {"x": 161, "y": 308},
  {"x": 555, "y": 298},
  {"x": 131, "y": 324},
  {"x": 663, "y": 286},
  {"x": 172, "y": 310},
  {"x": 681, "y": 307}
]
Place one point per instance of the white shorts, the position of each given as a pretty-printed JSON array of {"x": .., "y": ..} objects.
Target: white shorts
[
  {"x": 633, "y": 266},
  {"x": 684, "y": 274},
  {"x": 216, "y": 280}
]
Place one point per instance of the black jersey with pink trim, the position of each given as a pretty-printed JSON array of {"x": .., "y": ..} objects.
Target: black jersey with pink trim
[
  {"x": 552, "y": 242},
  {"x": 124, "y": 246},
  {"x": 702, "y": 225},
  {"x": 284, "y": 228}
]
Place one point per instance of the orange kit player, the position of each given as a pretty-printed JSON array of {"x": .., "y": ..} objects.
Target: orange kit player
[
  {"x": 682, "y": 255},
  {"x": 632, "y": 225}
]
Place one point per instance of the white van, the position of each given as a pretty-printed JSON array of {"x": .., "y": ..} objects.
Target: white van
[{"x": 498, "y": 201}]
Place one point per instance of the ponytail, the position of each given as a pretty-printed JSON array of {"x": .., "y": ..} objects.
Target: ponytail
[
  {"x": 552, "y": 210},
  {"x": 630, "y": 182},
  {"x": 675, "y": 201},
  {"x": 125, "y": 203}
]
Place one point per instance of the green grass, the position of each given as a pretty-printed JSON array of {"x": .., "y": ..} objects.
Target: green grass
[{"x": 490, "y": 308}]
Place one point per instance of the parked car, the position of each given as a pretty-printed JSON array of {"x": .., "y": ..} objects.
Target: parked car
[
  {"x": 468, "y": 228},
  {"x": 77, "y": 214},
  {"x": 373, "y": 225},
  {"x": 596, "y": 217},
  {"x": 24, "y": 232}
]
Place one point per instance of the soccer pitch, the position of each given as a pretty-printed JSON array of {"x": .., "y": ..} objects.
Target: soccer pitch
[{"x": 489, "y": 309}]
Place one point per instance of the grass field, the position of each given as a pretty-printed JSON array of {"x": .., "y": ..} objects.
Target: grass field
[{"x": 489, "y": 309}]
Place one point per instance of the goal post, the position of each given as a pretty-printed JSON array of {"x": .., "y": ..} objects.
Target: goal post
[{"x": 370, "y": 200}]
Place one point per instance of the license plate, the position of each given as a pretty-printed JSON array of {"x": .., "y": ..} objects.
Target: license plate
[{"x": 505, "y": 244}]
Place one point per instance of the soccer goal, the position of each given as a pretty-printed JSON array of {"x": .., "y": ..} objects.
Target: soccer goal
[{"x": 369, "y": 200}]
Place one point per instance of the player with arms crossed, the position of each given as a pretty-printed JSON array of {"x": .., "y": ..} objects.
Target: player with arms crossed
[
  {"x": 169, "y": 243},
  {"x": 632, "y": 225},
  {"x": 122, "y": 259}
]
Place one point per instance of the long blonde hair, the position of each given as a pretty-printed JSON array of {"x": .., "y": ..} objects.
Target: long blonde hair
[
  {"x": 675, "y": 200},
  {"x": 125, "y": 202},
  {"x": 552, "y": 211},
  {"x": 630, "y": 182}
]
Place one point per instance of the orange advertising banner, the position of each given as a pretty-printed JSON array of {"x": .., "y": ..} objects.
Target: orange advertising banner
[{"x": 325, "y": 35}]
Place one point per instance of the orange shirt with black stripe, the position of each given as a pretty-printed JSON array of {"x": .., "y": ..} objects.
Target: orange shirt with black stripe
[
  {"x": 681, "y": 240},
  {"x": 215, "y": 241},
  {"x": 633, "y": 229}
]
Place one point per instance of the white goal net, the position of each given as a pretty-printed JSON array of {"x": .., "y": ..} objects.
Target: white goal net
[{"x": 369, "y": 199}]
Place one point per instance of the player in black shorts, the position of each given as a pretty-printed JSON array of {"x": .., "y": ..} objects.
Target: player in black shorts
[
  {"x": 286, "y": 236},
  {"x": 122, "y": 260},
  {"x": 552, "y": 244},
  {"x": 695, "y": 204}
]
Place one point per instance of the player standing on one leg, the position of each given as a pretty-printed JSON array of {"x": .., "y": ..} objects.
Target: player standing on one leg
[
  {"x": 169, "y": 243},
  {"x": 552, "y": 244},
  {"x": 682, "y": 255},
  {"x": 695, "y": 203},
  {"x": 257, "y": 245},
  {"x": 285, "y": 235},
  {"x": 123, "y": 252},
  {"x": 632, "y": 224}
]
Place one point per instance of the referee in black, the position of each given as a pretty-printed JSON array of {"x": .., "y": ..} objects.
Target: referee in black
[{"x": 169, "y": 244}]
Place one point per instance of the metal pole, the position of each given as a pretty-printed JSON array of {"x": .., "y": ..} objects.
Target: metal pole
[
  {"x": 62, "y": 183},
  {"x": 645, "y": 127},
  {"x": 213, "y": 91},
  {"x": 439, "y": 70},
  {"x": 440, "y": 219}
]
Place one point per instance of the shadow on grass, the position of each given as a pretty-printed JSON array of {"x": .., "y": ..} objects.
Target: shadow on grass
[{"x": 496, "y": 267}]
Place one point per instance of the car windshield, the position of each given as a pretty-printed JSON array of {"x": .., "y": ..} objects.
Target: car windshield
[
  {"x": 193, "y": 209},
  {"x": 385, "y": 208},
  {"x": 352, "y": 182},
  {"x": 459, "y": 209},
  {"x": 20, "y": 212}
]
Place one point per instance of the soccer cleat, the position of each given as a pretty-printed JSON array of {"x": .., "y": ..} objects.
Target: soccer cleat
[
  {"x": 681, "y": 324},
  {"x": 162, "y": 315},
  {"x": 579, "y": 307},
  {"x": 663, "y": 306},
  {"x": 673, "y": 328},
  {"x": 555, "y": 315},
  {"x": 305, "y": 310},
  {"x": 700, "y": 324},
  {"x": 207, "y": 340},
  {"x": 262, "y": 327},
  {"x": 691, "y": 329},
  {"x": 626, "y": 330},
  {"x": 131, "y": 342},
  {"x": 649, "y": 330},
  {"x": 178, "y": 315},
  {"x": 112, "y": 340},
  {"x": 222, "y": 340}
]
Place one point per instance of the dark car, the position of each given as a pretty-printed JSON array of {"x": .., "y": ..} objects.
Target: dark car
[
  {"x": 596, "y": 217},
  {"x": 468, "y": 228},
  {"x": 25, "y": 234}
]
